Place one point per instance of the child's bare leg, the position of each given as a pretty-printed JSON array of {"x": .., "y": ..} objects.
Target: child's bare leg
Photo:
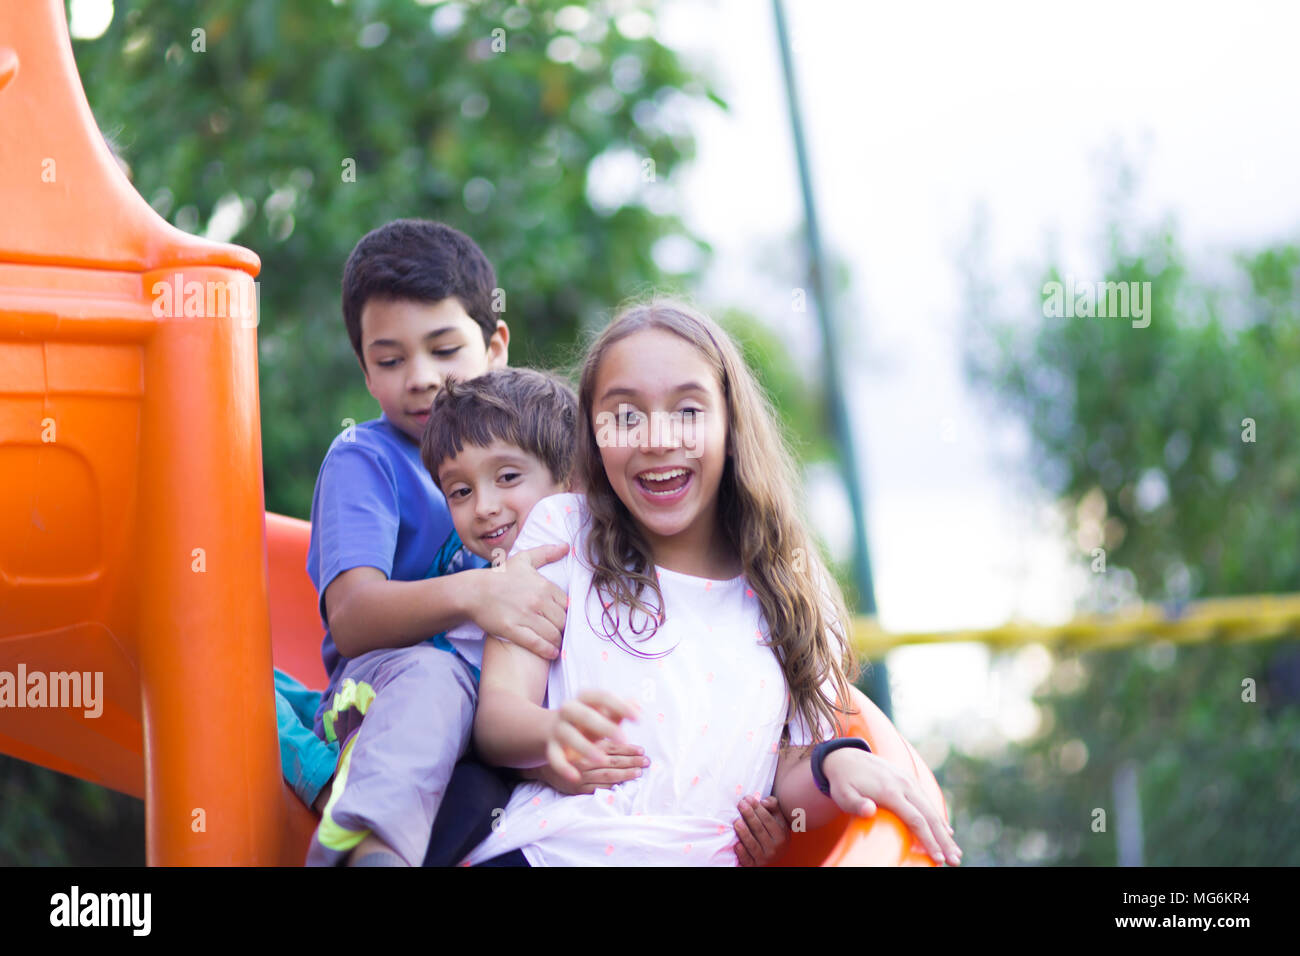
[
  {"x": 373, "y": 851},
  {"x": 323, "y": 797}
]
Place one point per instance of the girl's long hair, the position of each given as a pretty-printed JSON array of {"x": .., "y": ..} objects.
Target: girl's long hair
[{"x": 759, "y": 512}]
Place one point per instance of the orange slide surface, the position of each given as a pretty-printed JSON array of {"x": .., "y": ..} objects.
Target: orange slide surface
[{"x": 134, "y": 545}]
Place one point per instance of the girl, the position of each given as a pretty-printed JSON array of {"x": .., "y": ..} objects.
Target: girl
[{"x": 698, "y": 611}]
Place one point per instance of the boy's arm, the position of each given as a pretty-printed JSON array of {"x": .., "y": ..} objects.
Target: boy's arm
[
  {"x": 366, "y": 611},
  {"x": 356, "y": 519}
]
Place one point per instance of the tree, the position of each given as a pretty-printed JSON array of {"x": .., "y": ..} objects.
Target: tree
[{"x": 1173, "y": 446}]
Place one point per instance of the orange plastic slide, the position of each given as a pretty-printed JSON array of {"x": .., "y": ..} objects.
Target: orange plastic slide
[{"x": 138, "y": 608}]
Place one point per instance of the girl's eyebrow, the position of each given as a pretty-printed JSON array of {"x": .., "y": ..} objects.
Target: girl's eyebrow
[{"x": 633, "y": 393}]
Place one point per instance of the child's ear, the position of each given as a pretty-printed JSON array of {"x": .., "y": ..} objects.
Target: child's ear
[{"x": 498, "y": 348}]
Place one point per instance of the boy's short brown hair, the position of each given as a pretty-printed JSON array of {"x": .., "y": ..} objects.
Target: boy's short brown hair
[
  {"x": 534, "y": 411},
  {"x": 420, "y": 261}
]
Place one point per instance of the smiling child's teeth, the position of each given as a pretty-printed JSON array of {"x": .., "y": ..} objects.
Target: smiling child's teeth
[
  {"x": 646, "y": 478},
  {"x": 662, "y": 475}
]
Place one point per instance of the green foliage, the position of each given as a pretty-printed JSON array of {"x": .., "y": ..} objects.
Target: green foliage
[
  {"x": 1113, "y": 408},
  {"x": 1141, "y": 433},
  {"x": 1218, "y": 778},
  {"x": 801, "y": 409},
  {"x": 53, "y": 820}
]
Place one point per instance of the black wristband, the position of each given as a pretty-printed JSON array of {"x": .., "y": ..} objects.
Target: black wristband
[{"x": 820, "y": 753}]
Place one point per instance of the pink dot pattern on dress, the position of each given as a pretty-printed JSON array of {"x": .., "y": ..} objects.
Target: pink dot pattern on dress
[{"x": 661, "y": 717}]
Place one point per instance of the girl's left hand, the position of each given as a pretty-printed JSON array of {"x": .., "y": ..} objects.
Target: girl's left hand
[
  {"x": 860, "y": 780},
  {"x": 762, "y": 830}
]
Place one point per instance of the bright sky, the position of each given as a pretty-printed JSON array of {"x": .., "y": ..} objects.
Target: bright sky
[{"x": 916, "y": 116}]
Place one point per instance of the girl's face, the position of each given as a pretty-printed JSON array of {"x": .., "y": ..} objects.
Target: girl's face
[{"x": 661, "y": 425}]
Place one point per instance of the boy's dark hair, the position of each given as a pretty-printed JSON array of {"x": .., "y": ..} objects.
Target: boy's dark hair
[
  {"x": 536, "y": 412},
  {"x": 422, "y": 261}
]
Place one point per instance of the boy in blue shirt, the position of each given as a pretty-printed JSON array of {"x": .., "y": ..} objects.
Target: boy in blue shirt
[{"x": 417, "y": 303}]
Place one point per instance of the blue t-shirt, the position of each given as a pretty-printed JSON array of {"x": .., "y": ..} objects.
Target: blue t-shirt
[{"x": 375, "y": 505}]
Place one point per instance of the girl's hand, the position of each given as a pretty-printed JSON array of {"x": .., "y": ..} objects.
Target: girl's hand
[
  {"x": 860, "y": 780},
  {"x": 578, "y": 727},
  {"x": 625, "y": 763},
  {"x": 762, "y": 830}
]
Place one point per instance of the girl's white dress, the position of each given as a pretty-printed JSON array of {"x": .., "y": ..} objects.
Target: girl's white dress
[{"x": 712, "y": 712}]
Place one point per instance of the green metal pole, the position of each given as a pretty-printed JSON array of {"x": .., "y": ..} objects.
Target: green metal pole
[{"x": 877, "y": 681}]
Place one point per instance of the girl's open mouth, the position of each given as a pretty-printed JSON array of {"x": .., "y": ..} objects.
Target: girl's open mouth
[{"x": 664, "y": 485}]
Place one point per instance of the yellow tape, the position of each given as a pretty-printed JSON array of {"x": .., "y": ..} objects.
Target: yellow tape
[{"x": 1251, "y": 618}]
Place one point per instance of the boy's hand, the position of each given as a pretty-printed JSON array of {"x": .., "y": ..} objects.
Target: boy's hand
[
  {"x": 519, "y": 605},
  {"x": 762, "y": 830},
  {"x": 859, "y": 781},
  {"x": 626, "y": 762}
]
